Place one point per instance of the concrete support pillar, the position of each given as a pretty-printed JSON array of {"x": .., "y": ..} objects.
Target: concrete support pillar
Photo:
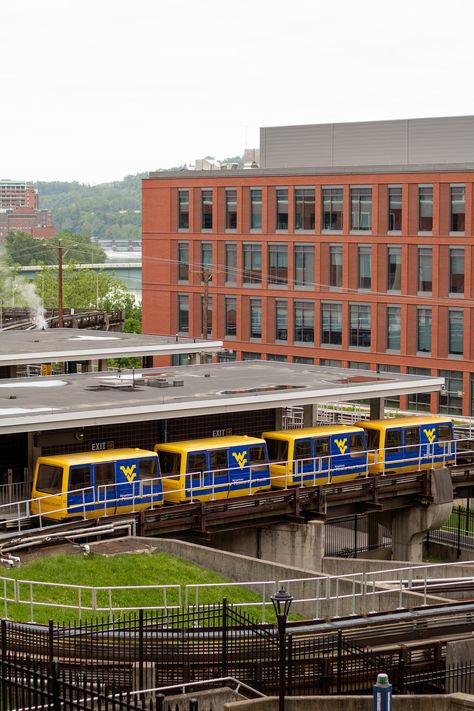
[
  {"x": 102, "y": 364},
  {"x": 373, "y": 536},
  {"x": 307, "y": 415},
  {"x": 377, "y": 408},
  {"x": 410, "y": 525}
]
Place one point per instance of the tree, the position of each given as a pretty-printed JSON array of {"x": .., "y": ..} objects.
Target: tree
[{"x": 25, "y": 250}]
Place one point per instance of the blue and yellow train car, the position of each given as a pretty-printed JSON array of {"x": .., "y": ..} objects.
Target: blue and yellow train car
[
  {"x": 213, "y": 468},
  {"x": 406, "y": 444},
  {"x": 92, "y": 484},
  {"x": 316, "y": 455}
]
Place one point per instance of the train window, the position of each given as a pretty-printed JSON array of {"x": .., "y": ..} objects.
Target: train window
[
  {"x": 277, "y": 450},
  {"x": 257, "y": 455},
  {"x": 373, "y": 439},
  {"x": 146, "y": 468},
  {"x": 321, "y": 447},
  {"x": 303, "y": 449},
  {"x": 79, "y": 478},
  {"x": 393, "y": 441},
  {"x": 197, "y": 462},
  {"x": 170, "y": 463},
  {"x": 49, "y": 479},
  {"x": 357, "y": 445},
  {"x": 412, "y": 440},
  {"x": 444, "y": 433},
  {"x": 104, "y": 474},
  {"x": 218, "y": 459}
]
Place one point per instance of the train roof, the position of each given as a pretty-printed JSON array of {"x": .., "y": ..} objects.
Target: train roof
[
  {"x": 402, "y": 421},
  {"x": 208, "y": 443},
  {"x": 108, "y": 455},
  {"x": 313, "y": 431}
]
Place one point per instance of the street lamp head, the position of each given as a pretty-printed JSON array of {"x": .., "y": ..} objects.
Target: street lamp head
[{"x": 281, "y": 602}]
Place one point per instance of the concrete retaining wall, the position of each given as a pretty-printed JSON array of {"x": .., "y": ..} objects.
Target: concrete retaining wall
[{"x": 451, "y": 702}]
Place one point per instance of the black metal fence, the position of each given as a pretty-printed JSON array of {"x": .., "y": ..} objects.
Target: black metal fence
[
  {"x": 458, "y": 531},
  {"x": 354, "y": 535},
  {"x": 97, "y": 665}
]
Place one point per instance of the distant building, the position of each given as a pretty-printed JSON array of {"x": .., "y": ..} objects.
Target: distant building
[
  {"x": 20, "y": 211},
  {"x": 343, "y": 244}
]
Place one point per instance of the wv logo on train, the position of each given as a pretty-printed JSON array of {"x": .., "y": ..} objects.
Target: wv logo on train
[
  {"x": 129, "y": 472},
  {"x": 240, "y": 458},
  {"x": 341, "y": 445},
  {"x": 430, "y": 435}
]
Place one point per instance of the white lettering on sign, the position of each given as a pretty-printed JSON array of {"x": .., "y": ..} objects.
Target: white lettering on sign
[
  {"x": 223, "y": 432},
  {"x": 101, "y": 446}
]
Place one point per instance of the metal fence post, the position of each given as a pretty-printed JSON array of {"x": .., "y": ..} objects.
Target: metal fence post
[
  {"x": 339, "y": 661},
  {"x": 193, "y": 705},
  {"x": 3, "y": 680},
  {"x": 355, "y": 536},
  {"x": 458, "y": 547},
  {"x": 224, "y": 636},
  {"x": 51, "y": 641},
  {"x": 140, "y": 650}
]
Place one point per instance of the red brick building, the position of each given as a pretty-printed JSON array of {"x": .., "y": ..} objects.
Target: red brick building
[
  {"x": 364, "y": 261},
  {"x": 20, "y": 212}
]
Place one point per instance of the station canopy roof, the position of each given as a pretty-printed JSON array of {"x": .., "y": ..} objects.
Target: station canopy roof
[
  {"x": 62, "y": 402},
  {"x": 76, "y": 344}
]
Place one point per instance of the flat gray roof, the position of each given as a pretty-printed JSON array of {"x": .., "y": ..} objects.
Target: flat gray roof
[
  {"x": 73, "y": 344},
  {"x": 61, "y": 402}
]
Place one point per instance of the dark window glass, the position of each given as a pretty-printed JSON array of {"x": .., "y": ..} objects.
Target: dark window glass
[
  {"x": 218, "y": 459},
  {"x": 458, "y": 208},
  {"x": 365, "y": 267},
  {"x": 230, "y": 316},
  {"x": 393, "y": 441},
  {"x": 456, "y": 270},
  {"x": 332, "y": 208},
  {"x": 277, "y": 450},
  {"x": 373, "y": 439},
  {"x": 304, "y": 209},
  {"x": 303, "y": 449},
  {"x": 183, "y": 313},
  {"x": 49, "y": 479},
  {"x": 277, "y": 357},
  {"x": 394, "y": 268},
  {"x": 281, "y": 320},
  {"x": 445, "y": 433},
  {"x": 255, "y": 209},
  {"x": 359, "y": 315},
  {"x": 250, "y": 355},
  {"x": 450, "y": 400},
  {"x": 231, "y": 209},
  {"x": 170, "y": 464},
  {"x": 197, "y": 462},
  {"x": 335, "y": 265},
  {"x": 425, "y": 209},
  {"x": 255, "y": 318},
  {"x": 146, "y": 468},
  {"x": 412, "y": 440},
  {"x": 183, "y": 261},
  {"x": 206, "y": 209},
  {"x": 304, "y": 265},
  {"x": 282, "y": 209},
  {"x": 104, "y": 473},
  {"x": 183, "y": 209},
  {"x": 425, "y": 269},
  {"x": 278, "y": 264},
  {"x": 357, "y": 444},
  {"x": 456, "y": 331},
  {"x": 331, "y": 324},
  {"x": 206, "y": 256},
  {"x": 424, "y": 330},
  {"x": 419, "y": 401},
  {"x": 252, "y": 263},
  {"x": 230, "y": 263},
  {"x": 303, "y": 360},
  {"x": 361, "y": 208},
  {"x": 79, "y": 478},
  {"x": 304, "y": 322},
  {"x": 321, "y": 447},
  {"x": 257, "y": 454},
  {"x": 393, "y": 328},
  {"x": 394, "y": 209}
]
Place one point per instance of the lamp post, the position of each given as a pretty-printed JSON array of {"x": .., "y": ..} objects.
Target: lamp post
[{"x": 281, "y": 603}]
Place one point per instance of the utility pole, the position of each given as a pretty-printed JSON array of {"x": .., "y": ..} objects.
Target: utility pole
[
  {"x": 60, "y": 285},
  {"x": 207, "y": 278}
]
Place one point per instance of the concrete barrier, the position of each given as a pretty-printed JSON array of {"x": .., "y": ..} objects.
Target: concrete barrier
[{"x": 439, "y": 702}]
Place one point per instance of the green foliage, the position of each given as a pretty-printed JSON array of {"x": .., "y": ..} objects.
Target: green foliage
[{"x": 25, "y": 250}]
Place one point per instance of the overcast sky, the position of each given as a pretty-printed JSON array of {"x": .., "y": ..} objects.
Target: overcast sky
[{"x": 93, "y": 90}]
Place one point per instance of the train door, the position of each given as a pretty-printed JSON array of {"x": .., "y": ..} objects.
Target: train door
[
  {"x": 195, "y": 474},
  {"x": 126, "y": 482},
  {"x": 105, "y": 487},
  {"x": 414, "y": 449},
  {"x": 239, "y": 468},
  {"x": 393, "y": 449},
  {"x": 149, "y": 481},
  {"x": 444, "y": 446},
  {"x": 303, "y": 460},
  {"x": 259, "y": 467},
  {"x": 80, "y": 498},
  {"x": 322, "y": 457},
  {"x": 340, "y": 450},
  {"x": 219, "y": 476}
]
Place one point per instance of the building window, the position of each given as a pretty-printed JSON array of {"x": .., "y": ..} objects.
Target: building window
[
  {"x": 281, "y": 320},
  {"x": 331, "y": 324},
  {"x": 391, "y": 400},
  {"x": 357, "y": 365},
  {"x": 424, "y": 330},
  {"x": 255, "y": 209},
  {"x": 450, "y": 401},
  {"x": 231, "y": 209},
  {"x": 304, "y": 265},
  {"x": 458, "y": 208},
  {"x": 425, "y": 209},
  {"x": 255, "y": 318},
  {"x": 359, "y": 318},
  {"x": 335, "y": 265},
  {"x": 230, "y": 316},
  {"x": 393, "y": 328},
  {"x": 183, "y": 209},
  {"x": 277, "y": 357},
  {"x": 249, "y": 355},
  {"x": 394, "y": 268},
  {"x": 278, "y": 264},
  {"x": 230, "y": 263},
  {"x": 330, "y": 363},
  {"x": 304, "y": 322},
  {"x": 332, "y": 209},
  {"x": 419, "y": 401},
  {"x": 183, "y": 313},
  {"x": 456, "y": 331},
  {"x": 252, "y": 263},
  {"x": 303, "y": 360},
  {"x": 183, "y": 261},
  {"x": 206, "y": 209},
  {"x": 361, "y": 208},
  {"x": 206, "y": 258},
  {"x": 365, "y": 268},
  {"x": 226, "y": 357},
  {"x": 282, "y": 209},
  {"x": 456, "y": 270},
  {"x": 425, "y": 270},
  {"x": 304, "y": 209},
  {"x": 394, "y": 209}
]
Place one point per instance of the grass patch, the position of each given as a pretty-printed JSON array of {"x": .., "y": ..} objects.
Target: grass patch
[{"x": 127, "y": 570}]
